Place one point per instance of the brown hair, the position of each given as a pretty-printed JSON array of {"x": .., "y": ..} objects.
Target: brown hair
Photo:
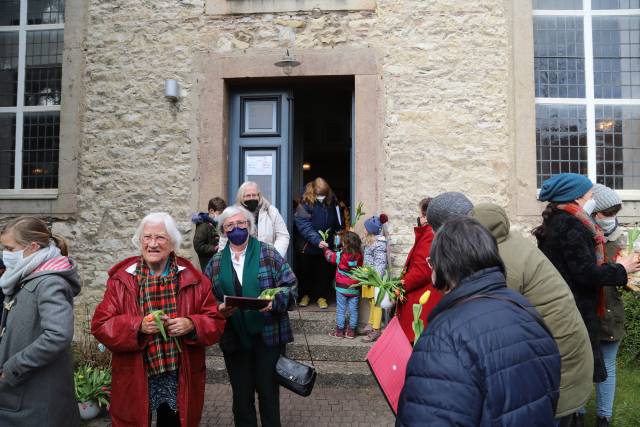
[
  {"x": 423, "y": 205},
  {"x": 217, "y": 204},
  {"x": 611, "y": 211},
  {"x": 27, "y": 229},
  {"x": 318, "y": 185},
  {"x": 351, "y": 243}
]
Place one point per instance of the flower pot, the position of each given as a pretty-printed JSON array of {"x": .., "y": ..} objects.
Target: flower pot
[{"x": 88, "y": 410}]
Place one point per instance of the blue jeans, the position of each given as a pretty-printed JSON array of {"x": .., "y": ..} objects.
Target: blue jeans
[
  {"x": 343, "y": 303},
  {"x": 606, "y": 390}
]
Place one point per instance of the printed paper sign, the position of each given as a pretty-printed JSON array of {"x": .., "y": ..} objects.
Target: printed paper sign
[{"x": 259, "y": 165}]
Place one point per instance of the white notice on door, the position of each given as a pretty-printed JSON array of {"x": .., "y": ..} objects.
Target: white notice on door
[{"x": 259, "y": 165}]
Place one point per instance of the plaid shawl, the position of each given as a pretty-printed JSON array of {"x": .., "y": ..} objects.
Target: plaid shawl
[
  {"x": 159, "y": 293},
  {"x": 599, "y": 241}
]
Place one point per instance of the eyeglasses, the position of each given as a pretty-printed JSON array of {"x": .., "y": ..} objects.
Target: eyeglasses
[
  {"x": 159, "y": 238},
  {"x": 231, "y": 225},
  {"x": 251, "y": 196}
]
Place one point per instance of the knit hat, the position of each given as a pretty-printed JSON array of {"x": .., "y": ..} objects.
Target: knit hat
[
  {"x": 446, "y": 206},
  {"x": 565, "y": 187},
  {"x": 374, "y": 224},
  {"x": 604, "y": 197}
]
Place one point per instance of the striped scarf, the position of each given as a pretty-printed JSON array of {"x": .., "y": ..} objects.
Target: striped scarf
[
  {"x": 159, "y": 293},
  {"x": 599, "y": 241}
]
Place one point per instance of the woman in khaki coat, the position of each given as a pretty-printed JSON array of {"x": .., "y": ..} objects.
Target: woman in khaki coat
[{"x": 531, "y": 273}]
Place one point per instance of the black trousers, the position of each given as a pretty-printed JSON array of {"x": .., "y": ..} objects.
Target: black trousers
[
  {"x": 316, "y": 277},
  {"x": 250, "y": 372},
  {"x": 165, "y": 417}
]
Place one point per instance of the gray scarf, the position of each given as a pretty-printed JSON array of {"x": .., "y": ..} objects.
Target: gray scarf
[{"x": 25, "y": 267}]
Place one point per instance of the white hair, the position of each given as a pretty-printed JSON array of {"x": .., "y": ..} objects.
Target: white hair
[
  {"x": 243, "y": 188},
  {"x": 233, "y": 211},
  {"x": 159, "y": 218}
]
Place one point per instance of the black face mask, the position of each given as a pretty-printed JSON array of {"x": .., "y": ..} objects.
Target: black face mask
[{"x": 252, "y": 205}]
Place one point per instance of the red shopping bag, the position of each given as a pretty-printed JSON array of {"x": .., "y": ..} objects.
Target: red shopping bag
[{"x": 388, "y": 360}]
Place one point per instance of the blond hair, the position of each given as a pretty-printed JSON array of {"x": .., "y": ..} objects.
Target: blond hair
[
  {"x": 28, "y": 229},
  {"x": 318, "y": 185}
]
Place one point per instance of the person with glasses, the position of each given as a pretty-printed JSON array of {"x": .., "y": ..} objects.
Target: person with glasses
[
  {"x": 253, "y": 340},
  {"x": 163, "y": 375}
]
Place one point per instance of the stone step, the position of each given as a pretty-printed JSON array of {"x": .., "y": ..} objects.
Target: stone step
[
  {"x": 323, "y": 348},
  {"x": 336, "y": 374},
  {"x": 312, "y": 322}
]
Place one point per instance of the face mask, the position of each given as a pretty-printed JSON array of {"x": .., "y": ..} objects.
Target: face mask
[
  {"x": 321, "y": 198},
  {"x": 252, "y": 204},
  {"x": 589, "y": 206},
  {"x": 238, "y": 235},
  {"x": 607, "y": 224},
  {"x": 11, "y": 259}
]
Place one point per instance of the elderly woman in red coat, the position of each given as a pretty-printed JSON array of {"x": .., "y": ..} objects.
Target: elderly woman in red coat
[
  {"x": 150, "y": 373},
  {"x": 416, "y": 276}
]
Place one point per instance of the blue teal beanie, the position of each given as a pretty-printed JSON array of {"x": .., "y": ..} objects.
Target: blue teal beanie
[{"x": 565, "y": 187}]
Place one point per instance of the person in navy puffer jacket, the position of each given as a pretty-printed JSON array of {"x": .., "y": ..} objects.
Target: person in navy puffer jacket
[{"x": 486, "y": 358}]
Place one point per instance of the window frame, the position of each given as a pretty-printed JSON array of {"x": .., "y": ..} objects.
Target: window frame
[
  {"x": 20, "y": 109},
  {"x": 590, "y": 101}
]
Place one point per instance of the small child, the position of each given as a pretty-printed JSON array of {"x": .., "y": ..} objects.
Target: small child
[
  {"x": 346, "y": 260},
  {"x": 375, "y": 256}
]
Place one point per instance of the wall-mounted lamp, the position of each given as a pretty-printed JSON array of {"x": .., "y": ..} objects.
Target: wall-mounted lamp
[
  {"x": 287, "y": 63},
  {"x": 306, "y": 166},
  {"x": 172, "y": 90}
]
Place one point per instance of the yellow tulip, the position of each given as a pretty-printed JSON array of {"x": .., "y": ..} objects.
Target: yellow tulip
[{"x": 425, "y": 297}]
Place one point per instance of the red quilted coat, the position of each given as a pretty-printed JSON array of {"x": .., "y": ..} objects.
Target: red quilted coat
[
  {"x": 417, "y": 280},
  {"x": 116, "y": 323}
]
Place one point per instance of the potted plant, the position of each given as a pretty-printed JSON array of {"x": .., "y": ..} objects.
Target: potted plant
[{"x": 92, "y": 389}]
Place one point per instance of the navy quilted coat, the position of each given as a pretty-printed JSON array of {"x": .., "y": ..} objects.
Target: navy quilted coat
[{"x": 481, "y": 362}]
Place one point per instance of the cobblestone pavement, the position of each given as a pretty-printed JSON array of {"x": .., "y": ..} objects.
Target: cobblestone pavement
[{"x": 326, "y": 406}]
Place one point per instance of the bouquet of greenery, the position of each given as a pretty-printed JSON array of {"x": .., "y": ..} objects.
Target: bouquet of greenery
[
  {"x": 155, "y": 316},
  {"x": 92, "y": 384},
  {"x": 418, "y": 324},
  {"x": 368, "y": 276},
  {"x": 359, "y": 214},
  {"x": 324, "y": 234}
]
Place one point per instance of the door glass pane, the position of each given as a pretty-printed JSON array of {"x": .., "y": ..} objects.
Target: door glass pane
[
  {"x": 7, "y": 150},
  {"x": 260, "y": 167},
  {"x": 260, "y": 116},
  {"x": 557, "y": 4},
  {"x": 618, "y": 146},
  {"x": 10, "y": 12},
  {"x": 40, "y": 147},
  {"x": 43, "y": 73},
  {"x": 561, "y": 140},
  {"x": 8, "y": 69},
  {"x": 615, "y": 4},
  {"x": 45, "y": 12},
  {"x": 559, "y": 56},
  {"x": 616, "y": 56}
]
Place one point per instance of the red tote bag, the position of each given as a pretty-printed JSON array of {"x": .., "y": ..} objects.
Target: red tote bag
[{"x": 388, "y": 360}]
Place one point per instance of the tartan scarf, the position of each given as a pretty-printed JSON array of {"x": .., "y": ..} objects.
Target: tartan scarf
[
  {"x": 599, "y": 241},
  {"x": 159, "y": 292}
]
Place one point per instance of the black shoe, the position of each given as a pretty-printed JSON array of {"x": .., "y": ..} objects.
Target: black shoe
[
  {"x": 603, "y": 422},
  {"x": 579, "y": 420}
]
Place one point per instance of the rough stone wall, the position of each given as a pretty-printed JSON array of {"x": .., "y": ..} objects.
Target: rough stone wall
[{"x": 446, "y": 126}]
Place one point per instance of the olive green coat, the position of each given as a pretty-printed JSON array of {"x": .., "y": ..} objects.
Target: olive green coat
[
  {"x": 531, "y": 273},
  {"x": 612, "y": 324}
]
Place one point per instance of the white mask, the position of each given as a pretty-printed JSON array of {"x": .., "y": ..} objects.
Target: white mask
[
  {"x": 11, "y": 259},
  {"x": 607, "y": 224},
  {"x": 589, "y": 206},
  {"x": 321, "y": 198}
]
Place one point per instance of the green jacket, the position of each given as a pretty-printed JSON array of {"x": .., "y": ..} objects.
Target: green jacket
[
  {"x": 612, "y": 324},
  {"x": 534, "y": 276},
  {"x": 205, "y": 243}
]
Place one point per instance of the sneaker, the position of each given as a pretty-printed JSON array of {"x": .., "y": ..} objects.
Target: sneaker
[
  {"x": 338, "y": 333},
  {"x": 350, "y": 333},
  {"x": 304, "y": 301},
  {"x": 372, "y": 336},
  {"x": 322, "y": 303}
]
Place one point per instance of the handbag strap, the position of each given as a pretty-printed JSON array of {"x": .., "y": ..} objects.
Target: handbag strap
[{"x": 283, "y": 349}]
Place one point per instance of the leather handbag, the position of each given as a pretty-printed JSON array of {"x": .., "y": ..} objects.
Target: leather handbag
[{"x": 294, "y": 375}]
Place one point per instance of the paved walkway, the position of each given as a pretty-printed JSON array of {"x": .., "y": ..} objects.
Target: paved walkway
[{"x": 326, "y": 406}]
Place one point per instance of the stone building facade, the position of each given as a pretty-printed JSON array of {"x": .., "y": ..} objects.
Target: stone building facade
[{"x": 443, "y": 100}]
